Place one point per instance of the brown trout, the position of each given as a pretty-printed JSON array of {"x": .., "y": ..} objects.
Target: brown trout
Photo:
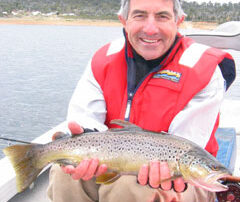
[{"x": 124, "y": 150}]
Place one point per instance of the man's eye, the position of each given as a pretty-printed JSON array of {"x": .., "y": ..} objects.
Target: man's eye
[
  {"x": 138, "y": 17},
  {"x": 162, "y": 17}
]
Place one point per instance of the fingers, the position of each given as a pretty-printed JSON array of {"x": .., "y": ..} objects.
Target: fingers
[
  {"x": 75, "y": 128},
  {"x": 59, "y": 135},
  {"x": 92, "y": 168},
  {"x": 69, "y": 169},
  {"x": 154, "y": 174},
  {"x": 164, "y": 175},
  {"x": 87, "y": 169},
  {"x": 179, "y": 185},
  {"x": 159, "y": 172},
  {"x": 150, "y": 174},
  {"x": 81, "y": 169},
  {"x": 101, "y": 170},
  {"x": 143, "y": 175}
]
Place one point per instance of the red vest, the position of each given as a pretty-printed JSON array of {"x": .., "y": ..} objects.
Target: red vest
[{"x": 163, "y": 94}]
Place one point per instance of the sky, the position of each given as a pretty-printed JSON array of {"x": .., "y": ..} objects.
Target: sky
[{"x": 216, "y": 1}]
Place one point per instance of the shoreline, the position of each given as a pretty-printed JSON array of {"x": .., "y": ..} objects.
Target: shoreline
[{"x": 54, "y": 20}]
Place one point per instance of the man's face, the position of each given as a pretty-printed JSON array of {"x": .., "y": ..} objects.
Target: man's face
[{"x": 151, "y": 27}]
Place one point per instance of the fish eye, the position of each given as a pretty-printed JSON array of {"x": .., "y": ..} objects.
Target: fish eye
[{"x": 214, "y": 167}]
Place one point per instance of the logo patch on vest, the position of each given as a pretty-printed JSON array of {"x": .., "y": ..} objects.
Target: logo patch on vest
[{"x": 169, "y": 75}]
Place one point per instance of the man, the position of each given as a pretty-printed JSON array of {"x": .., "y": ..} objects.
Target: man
[{"x": 157, "y": 79}]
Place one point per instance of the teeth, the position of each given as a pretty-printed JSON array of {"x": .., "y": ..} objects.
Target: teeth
[{"x": 149, "y": 41}]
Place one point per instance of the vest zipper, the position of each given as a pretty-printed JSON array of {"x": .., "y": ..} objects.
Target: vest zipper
[
  {"x": 131, "y": 94},
  {"x": 128, "y": 108}
]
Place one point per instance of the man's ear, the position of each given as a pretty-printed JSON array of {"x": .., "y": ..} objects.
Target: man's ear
[
  {"x": 180, "y": 20},
  {"x": 122, "y": 20}
]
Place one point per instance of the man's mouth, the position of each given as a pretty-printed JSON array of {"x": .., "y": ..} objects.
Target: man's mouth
[{"x": 150, "y": 41}]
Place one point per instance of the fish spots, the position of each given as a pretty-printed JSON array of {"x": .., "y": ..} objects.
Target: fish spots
[
  {"x": 187, "y": 158},
  {"x": 105, "y": 145}
]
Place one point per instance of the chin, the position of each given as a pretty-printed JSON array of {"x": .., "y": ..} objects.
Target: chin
[{"x": 151, "y": 57}]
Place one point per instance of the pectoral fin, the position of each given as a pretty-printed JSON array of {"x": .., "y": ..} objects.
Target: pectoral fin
[
  {"x": 107, "y": 178},
  {"x": 170, "y": 179}
]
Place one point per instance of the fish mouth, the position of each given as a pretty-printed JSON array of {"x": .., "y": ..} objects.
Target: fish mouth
[
  {"x": 212, "y": 183},
  {"x": 218, "y": 184}
]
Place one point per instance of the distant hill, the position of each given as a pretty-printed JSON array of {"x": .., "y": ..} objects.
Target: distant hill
[
  {"x": 212, "y": 12},
  {"x": 107, "y": 9}
]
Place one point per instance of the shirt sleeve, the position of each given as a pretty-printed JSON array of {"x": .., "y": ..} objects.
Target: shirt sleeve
[
  {"x": 196, "y": 121},
  {"x": 87, "y": 106}
]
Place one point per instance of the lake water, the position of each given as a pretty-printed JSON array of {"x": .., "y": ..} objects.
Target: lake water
[{"x": 40, "y": 66}]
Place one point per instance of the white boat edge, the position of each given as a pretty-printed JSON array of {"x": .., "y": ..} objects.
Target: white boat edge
[{"x": 7, "y": 175}]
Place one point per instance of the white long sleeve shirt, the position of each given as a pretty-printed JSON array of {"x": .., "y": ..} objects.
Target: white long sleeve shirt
[{"x": 88, "y": 108}]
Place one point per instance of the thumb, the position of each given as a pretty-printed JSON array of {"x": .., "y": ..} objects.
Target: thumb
[{"x": 75, "y": 128}]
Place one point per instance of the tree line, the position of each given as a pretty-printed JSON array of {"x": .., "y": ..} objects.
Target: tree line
[
  {"x": 212, "y": 12},
  {"x": 107, "y": 9}
]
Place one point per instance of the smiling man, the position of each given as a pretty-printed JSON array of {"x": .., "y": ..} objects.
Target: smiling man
[
  {"x": 157, "y": 79},
  {"x": 151, "y": 27}
]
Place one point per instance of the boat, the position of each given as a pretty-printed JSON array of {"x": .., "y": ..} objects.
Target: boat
[
  {"x": 8, "y": 190},
  {"x": 228, "y": 135}
]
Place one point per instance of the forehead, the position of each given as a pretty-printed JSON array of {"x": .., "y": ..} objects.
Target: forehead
[{"x": 151, "y": 5}]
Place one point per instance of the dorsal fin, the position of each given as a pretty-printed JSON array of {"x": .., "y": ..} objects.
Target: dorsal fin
[{"x": 126, "y": 125}]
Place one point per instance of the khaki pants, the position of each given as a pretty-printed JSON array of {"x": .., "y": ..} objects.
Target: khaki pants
[{"x": 62, "y": 188}]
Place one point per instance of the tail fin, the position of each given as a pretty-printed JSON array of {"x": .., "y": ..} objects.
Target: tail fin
[{"x": 23, "y": 160}]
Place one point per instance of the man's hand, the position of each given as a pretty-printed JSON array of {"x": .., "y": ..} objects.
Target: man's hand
[
  {"x": 88, "y": 168},
  {"x": 158, "y": 172}
]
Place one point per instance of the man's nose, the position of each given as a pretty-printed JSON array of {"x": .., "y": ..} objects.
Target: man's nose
[{"x": 150, "y": 27}]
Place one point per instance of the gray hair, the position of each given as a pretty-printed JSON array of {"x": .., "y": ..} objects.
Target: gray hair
[{"x": 177, "y": 9}]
